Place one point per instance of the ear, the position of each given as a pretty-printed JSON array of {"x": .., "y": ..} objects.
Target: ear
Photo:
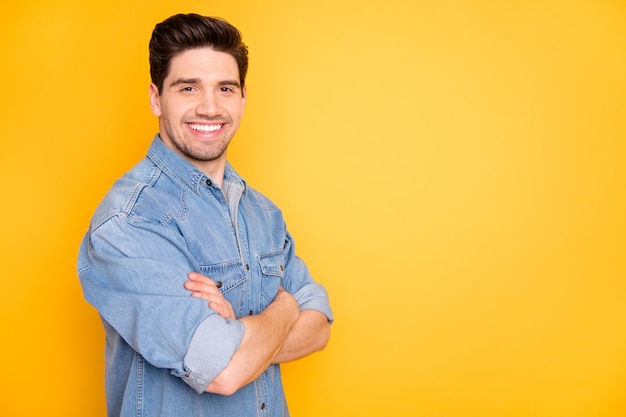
[
  {"x": 155, "y": 102},
  {"x": 244, "y": 95}
]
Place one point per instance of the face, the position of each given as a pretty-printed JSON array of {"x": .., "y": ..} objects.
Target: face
[{"x": 200, "y": 107}]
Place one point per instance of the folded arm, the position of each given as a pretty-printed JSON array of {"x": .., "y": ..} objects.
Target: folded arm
[
  {"x": 264, "y": 336},
  {"x": 310, "y": 332}
]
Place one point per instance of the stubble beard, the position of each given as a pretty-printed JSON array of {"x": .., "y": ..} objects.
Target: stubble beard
[
  {"x": 203, "y": 153},
  {"x": 195, "y": 150}
]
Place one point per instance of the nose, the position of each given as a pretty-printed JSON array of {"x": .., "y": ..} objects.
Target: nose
[{"x": 208, "y": 105}]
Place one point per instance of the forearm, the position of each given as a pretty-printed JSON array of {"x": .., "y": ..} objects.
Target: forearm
[
  {"x": 309, "y": 334},
  {"x": 264, "y": 335}
]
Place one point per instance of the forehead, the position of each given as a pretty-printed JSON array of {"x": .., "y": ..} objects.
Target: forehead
[{"x": 203, "y": 63}]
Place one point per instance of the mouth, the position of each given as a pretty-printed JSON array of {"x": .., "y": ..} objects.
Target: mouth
[{"x": 205, "y": 128}]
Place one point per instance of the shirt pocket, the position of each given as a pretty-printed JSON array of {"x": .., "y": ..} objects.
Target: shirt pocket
[
  {"x": 229, "y": 278},
  {"x": 272, "y": 269}
]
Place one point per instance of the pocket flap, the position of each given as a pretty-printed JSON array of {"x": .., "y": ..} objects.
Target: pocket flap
[{"x": 272, "y": 263}]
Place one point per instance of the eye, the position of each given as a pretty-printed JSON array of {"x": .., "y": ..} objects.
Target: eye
[{"x": 227, "y": 90}]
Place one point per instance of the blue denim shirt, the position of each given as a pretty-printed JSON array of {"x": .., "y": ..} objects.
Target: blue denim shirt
[{"x": 158, "y": 222}]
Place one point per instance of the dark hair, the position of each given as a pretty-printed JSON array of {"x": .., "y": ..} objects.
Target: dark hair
[{"x": 182, "y": 32}]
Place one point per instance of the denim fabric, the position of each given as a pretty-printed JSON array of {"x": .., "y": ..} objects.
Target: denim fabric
[{"x": 158, "y": 222}]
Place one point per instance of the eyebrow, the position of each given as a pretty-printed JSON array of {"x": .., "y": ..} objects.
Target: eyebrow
[{"x": 231, "y": 83}]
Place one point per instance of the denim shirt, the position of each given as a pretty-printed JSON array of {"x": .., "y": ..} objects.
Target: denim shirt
[{"x": 160, "y": 221}]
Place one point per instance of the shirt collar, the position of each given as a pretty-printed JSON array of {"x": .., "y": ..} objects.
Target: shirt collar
[{"x": 177, "y": 167}]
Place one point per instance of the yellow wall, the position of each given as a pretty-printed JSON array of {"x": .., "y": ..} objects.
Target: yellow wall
[{"x": 453, "y": 171}]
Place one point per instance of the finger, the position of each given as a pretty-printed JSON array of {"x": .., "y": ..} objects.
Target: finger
[
  {"x": 205, "y": 288},
  {"x": 207, "y": 296},
  {"x": 224, "y": 310},
  {"x": 198, "y": 277},
  {"x": 201, "y": 287},
  {"x": 198, "y": 282}
]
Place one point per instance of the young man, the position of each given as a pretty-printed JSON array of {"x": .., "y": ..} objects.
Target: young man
[{"x": 192, "y": 271}]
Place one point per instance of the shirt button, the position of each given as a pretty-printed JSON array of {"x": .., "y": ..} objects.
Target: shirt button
[
  {"x": 263, "y": 406},
  {"x": 250, "y": 312},
  {"x": 218, "y": 284},
  {"x": 208, "y": 182},
  {"x": 247, "y": 267},
  {"x": 282, "y": 268}
]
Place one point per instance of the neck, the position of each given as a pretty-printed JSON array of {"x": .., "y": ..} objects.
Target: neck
[{"x": 213, "y": 169}]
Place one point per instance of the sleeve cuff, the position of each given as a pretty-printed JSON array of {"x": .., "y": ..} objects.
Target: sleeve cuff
[
  {"x": 210, "y": 350},
  {"x": 314, "y": 297}
]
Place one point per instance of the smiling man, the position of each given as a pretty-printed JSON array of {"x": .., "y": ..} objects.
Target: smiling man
[
  {"x": 200, "y": 105},
  {"x": 193, "y": 271}
]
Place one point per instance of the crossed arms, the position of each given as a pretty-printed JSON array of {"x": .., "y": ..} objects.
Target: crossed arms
[
  {"x": 280, "y": 333},
  {"x": 113, "y": 269}
]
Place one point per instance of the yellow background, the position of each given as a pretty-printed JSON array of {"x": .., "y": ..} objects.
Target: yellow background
[{"x": 453, "y": 172}]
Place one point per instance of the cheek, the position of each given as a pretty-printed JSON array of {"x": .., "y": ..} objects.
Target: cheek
[
  {"x": 237, "y": 111},
  {"x": 172, "y": 112}
]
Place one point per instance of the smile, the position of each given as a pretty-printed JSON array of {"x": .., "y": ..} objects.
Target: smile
[{"x": 205, "y": 128}]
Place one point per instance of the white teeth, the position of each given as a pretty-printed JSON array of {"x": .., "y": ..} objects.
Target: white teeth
[{"x": 205, "y": 128}]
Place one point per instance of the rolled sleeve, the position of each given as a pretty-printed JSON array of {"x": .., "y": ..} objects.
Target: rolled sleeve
[
  {"x": 314, "y": 297},
  {"x": 212, "y": 345},
  {"x": 309, "y": 294}
]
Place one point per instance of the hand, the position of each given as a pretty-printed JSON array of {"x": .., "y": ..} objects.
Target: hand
[
  {"x": 288, "y": 301},
  {"x": 203, "y": 287}
]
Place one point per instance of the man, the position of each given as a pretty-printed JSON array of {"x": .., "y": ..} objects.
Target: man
[{"x": 192, "y": 271}]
